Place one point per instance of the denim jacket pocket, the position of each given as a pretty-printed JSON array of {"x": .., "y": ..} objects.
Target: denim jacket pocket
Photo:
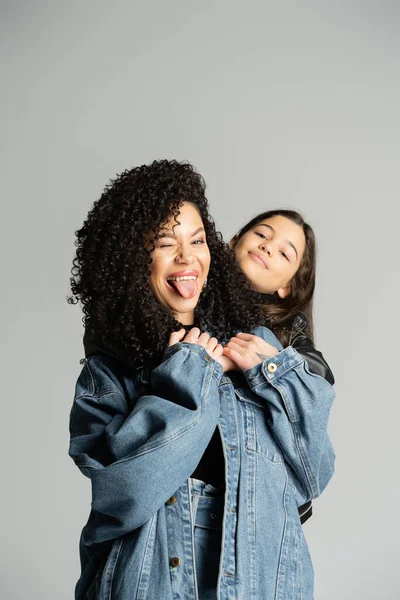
[{"x": 257, "y": 435}]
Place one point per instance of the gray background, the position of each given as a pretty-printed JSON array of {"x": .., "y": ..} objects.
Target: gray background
[{"x": 278, "y": 104}]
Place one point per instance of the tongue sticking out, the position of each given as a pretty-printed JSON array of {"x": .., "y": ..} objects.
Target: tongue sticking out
[{"x": 187, "y": 289}]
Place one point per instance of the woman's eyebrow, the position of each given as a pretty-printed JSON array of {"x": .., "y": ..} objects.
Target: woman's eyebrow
[
  {"x": 286, "y": 241},
  {"x": 198, "y": 230},
  {"x": 168, "y": 233}
]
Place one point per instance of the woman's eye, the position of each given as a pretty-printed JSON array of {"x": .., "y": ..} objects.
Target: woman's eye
[
  {"x": 283, "y": 254},
  {"x": 261, "y": 235},
  {"x": 198, "y": 242}
]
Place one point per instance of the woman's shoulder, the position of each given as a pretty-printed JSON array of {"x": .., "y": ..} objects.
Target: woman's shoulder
[{"x": 102, "y": 374}]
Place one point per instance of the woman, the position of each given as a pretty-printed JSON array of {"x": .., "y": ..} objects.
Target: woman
[
  {"x": 276, "y": 251},
  {"x": 149, "y": 267}
]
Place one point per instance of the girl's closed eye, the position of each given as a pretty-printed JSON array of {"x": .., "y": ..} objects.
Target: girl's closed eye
[{"x": 199, "y": 242}]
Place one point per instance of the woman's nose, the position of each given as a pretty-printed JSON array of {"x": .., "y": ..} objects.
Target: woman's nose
[{"x": 184, "y": 256}]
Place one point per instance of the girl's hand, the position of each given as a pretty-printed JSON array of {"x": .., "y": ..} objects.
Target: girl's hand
[
  {"x": 247, "y": 350},
  {"x": 227, "y": 364},
  {"x": 214, "y": 349}
]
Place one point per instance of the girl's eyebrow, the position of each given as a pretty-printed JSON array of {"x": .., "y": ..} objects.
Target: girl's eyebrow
[
  {"x": 273, "y": 231},
  {"x": 168, "y": 233}
]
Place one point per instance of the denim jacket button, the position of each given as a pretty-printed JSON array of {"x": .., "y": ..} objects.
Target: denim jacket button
[
  {"x": 174, "y": 562},
  {"x": 272, "y": 367},
  {"x": 171, "y": 500}
]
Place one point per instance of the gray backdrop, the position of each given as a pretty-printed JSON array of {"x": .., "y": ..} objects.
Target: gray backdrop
[{"x": 278, "y": 104}]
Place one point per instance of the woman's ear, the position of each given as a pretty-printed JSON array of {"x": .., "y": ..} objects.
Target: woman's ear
[
  {"x": 233, "y": 242},
  {"x": 285, "y": 291}
]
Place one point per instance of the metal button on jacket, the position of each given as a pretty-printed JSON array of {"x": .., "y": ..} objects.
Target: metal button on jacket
[
  {"x": 171, "y": 500},
  {"x": 272, "y": 368},
  {"x": 174, "y": 562}
]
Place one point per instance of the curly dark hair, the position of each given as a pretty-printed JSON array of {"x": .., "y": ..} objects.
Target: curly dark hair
[{"x": 110, "y": 273}]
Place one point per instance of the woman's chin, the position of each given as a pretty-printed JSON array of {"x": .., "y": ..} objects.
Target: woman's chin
[{"x": 183, "y": 306}]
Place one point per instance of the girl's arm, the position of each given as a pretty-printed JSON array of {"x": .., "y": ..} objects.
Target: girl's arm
[
  {"x": 137, "y": 455},
  {"x": 302, "y": 341},
  {"x": 298, "y": 404}
]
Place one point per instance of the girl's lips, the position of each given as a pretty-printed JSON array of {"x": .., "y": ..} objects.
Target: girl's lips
[{"x": 258, "y": 259}]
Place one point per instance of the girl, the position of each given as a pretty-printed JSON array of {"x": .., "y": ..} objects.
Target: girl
[
  {"x": 276, "y": 251},
  {"x": 154, "y": 277}
]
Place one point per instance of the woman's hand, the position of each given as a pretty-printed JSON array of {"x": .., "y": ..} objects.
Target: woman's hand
[
  {"x": 247, "y": 350},
  {"x": 213, "y": 348}
]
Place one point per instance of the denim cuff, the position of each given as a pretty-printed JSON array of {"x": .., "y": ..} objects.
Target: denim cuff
[
  {"x": 198, "y": 350},
  {"x": 274, "y": 367}
]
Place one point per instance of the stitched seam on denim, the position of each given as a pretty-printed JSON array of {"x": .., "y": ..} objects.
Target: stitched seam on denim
[
  {"x": 247, "y": 400},
  {"x": 106, "y": 392},
  {"x": 133, "y": 455},
  {"x": 251, "y": 498},
  {"x": 140, "y": 587},
  {"x": 193, "y": 348},
  {"x": 280, "y": 574},
  {"x": 281, "y": 373},
  {"x": 296, "y": 559},
  {"x": 114, "y": 567},
  {"x": 269, "y": 459},
  {"x": 92, "y": 392},
  {"x": 161, "y": 445},
  {"x": 306, "y": 463},
  {"x": 191, "y": 513},
  {"x": 299, "y": 444},
  {"x": 230, "y": 515},
  {"x": 287, "y": 406},
  {"x": 223, "y": 530}
]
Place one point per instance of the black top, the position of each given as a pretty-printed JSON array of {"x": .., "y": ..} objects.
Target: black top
[{"x": 211, "y": 467}]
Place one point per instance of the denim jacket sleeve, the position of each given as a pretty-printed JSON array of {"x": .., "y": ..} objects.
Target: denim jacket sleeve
[
  {"x": 138, "y": 457},
  {"x": 299, "y": 404}
]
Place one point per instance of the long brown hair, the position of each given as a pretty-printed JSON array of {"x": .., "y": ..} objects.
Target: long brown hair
[{"x": 280, "y": 312}]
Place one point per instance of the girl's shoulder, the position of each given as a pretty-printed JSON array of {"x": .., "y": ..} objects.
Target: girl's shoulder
[
  {"x": 299, "y": 322},
  {"x": 298, "y": 331}
]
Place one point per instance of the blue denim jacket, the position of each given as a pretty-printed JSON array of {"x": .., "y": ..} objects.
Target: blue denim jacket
[{"x": 138, "y": 435}]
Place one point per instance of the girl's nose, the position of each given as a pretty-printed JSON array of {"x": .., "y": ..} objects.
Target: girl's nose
[{"x": 266, "y": 247}]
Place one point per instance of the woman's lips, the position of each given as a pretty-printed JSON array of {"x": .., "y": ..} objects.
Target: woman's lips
[
  {"x": 184, "y": 283},
  {"x": 185, "y": 273},
  {"x": 258, "y": 258}
]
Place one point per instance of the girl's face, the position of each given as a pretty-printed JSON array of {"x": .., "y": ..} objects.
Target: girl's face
[
  {"x": 270, "y": 253},
  {"x": 180, "y": 263}
]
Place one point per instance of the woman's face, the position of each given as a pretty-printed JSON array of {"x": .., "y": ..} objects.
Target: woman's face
[
  {"x": 270, "y": 253},
  {"x": 180, "y": 263}
]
